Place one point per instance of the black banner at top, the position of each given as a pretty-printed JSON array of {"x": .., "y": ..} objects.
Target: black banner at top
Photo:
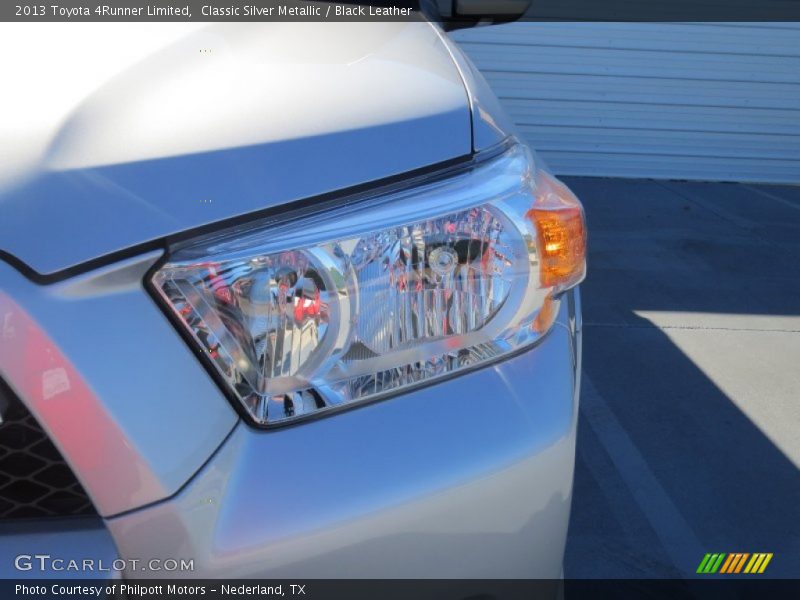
[{"x": 388, "y": 10}]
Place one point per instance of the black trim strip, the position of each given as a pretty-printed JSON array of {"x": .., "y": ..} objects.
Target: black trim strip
[
  {"x": 296, "y": 207},
  {"x": 281, "y": 213},
  {"x": 446, "y": 170},
  {"x": 185, "y": 484},
  {"x": 292, "y": 211}
]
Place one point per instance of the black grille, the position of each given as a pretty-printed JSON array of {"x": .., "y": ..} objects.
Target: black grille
[{"x": 35, "y": 481}]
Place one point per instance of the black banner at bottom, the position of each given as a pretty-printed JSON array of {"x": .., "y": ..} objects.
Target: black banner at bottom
[{"x": 405, "y": 589}]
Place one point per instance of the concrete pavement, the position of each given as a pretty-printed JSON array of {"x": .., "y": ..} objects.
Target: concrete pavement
[{"x": 689, "y": 433}]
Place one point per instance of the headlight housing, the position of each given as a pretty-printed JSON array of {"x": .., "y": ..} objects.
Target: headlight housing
[{"x": 382, "y": 292}]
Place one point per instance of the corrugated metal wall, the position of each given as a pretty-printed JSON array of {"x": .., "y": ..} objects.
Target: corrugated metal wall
[{"x": 681, "y": 101}]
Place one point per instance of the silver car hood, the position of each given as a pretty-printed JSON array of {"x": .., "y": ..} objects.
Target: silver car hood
[{"x": 115, "y": 136}]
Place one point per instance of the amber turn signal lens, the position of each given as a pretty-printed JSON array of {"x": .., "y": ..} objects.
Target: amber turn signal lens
[
  {"x": 547, "y": 315},
  {"x": 558, "y": 218}
]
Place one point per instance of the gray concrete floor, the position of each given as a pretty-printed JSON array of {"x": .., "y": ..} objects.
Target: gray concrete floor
[{"x": 689, "y": 429}]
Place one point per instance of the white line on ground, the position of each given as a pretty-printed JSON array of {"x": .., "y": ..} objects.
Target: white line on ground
[
  {"x": 677, "y": 538},
  {"x": 766, "y": 194}
]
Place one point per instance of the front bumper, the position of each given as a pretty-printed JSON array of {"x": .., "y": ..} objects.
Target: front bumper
[{"x": 468, "y": 478}]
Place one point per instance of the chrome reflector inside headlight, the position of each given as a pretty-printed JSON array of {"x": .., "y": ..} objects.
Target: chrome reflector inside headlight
[{"x": 383, "y": 292}]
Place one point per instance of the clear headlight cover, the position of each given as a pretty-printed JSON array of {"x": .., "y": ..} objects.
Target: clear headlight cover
[{"x": 380, "y": 293}]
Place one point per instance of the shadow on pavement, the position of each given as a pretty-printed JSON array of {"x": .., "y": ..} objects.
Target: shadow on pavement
[{"x": 669, "y": 465}]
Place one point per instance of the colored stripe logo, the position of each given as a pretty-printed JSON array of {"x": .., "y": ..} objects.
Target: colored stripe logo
[{"x": 735, "y": 562}]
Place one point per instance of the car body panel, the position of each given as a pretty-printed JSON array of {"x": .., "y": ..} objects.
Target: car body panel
[
  {"x": 57, "y": 541},
  {"x": 490, "y": 124},
  {"x": 467, "y": 478},
  {"x": 112, "y": 383},
  {"x": 270, "y": 114}
]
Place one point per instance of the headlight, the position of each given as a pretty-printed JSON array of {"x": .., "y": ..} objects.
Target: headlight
[{"x": 380, "y": 293}]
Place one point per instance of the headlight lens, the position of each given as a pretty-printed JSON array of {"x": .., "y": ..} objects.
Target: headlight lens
[{"x": 381, "y": 293}]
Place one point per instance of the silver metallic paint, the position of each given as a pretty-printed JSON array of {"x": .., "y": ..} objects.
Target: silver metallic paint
[
  {"x": 132, "y": 410},
  {"x": 490, "y": 124},
  {"x": 471, "y": 477},
  {"x": 275, "y": 112},
  {"x": 70, "y": 538}
]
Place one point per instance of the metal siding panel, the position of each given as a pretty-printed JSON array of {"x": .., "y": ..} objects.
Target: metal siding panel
[
  {"x": 672, "y": 167},
  {"x": 654, "y": 117},
  {"x": 751, "y": 39},
  {"x": 684, "y": 101},
  {"x": 519, "y": 58},
  {"x": 633, "y": 90},
  {"x": 665, "y": 143}
]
